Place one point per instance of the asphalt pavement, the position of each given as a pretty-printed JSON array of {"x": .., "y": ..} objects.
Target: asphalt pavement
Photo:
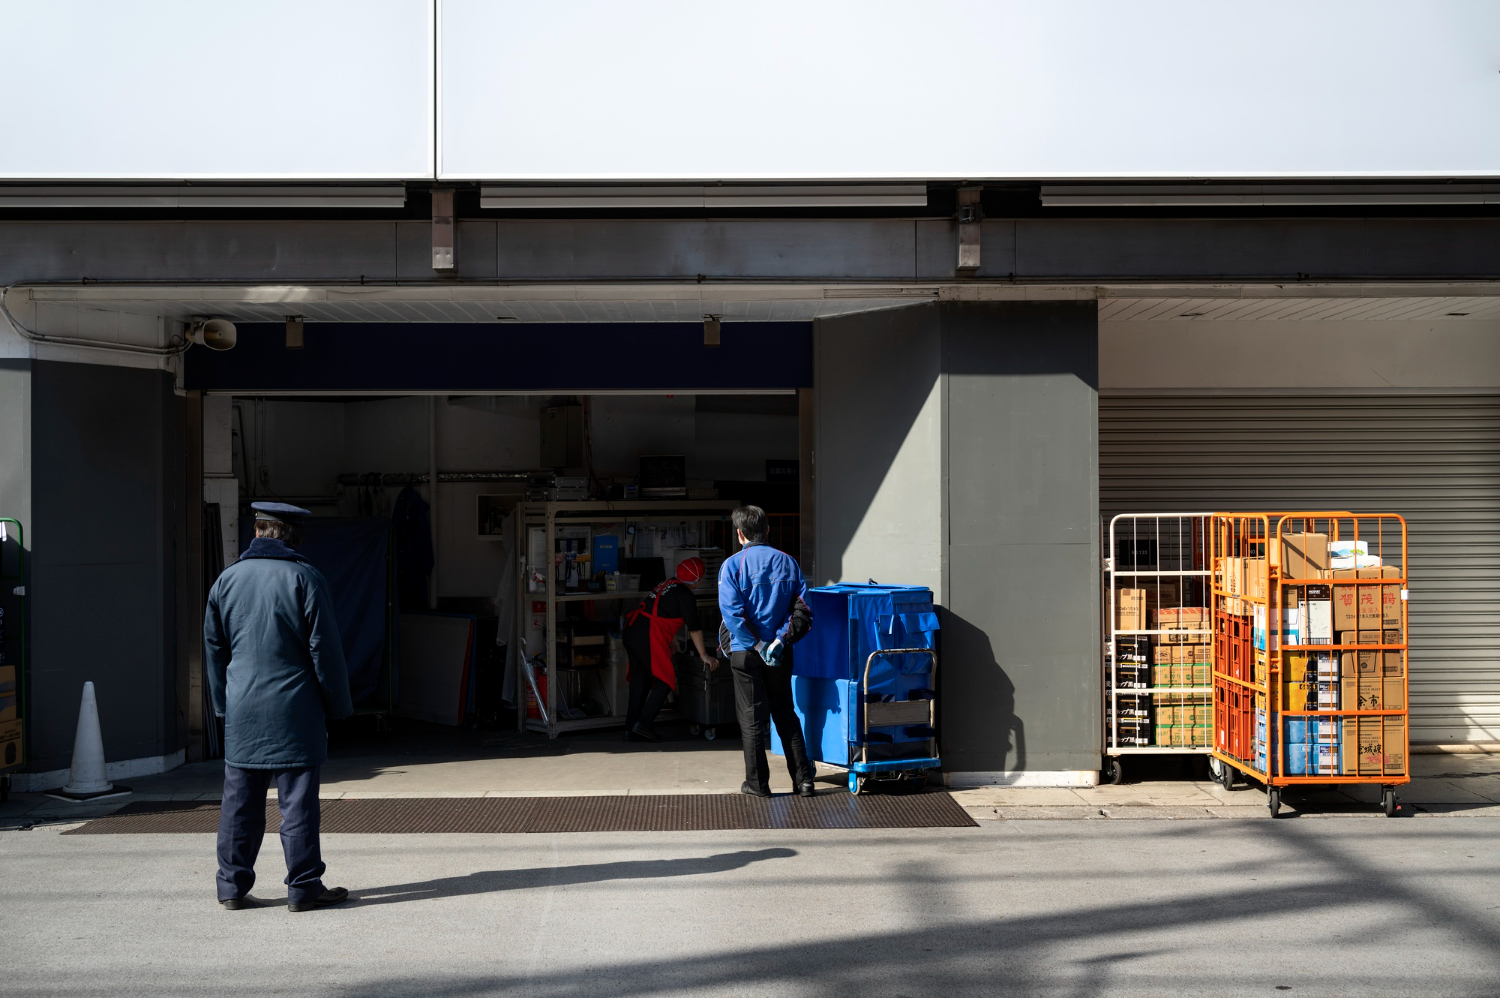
[{"x": 1332, "y": 906}]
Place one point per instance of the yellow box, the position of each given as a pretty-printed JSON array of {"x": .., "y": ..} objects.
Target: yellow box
[{"x": 1296, "y": 696}]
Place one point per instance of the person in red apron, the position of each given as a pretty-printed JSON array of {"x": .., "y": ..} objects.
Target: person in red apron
[{"x": 649, "y": 634}]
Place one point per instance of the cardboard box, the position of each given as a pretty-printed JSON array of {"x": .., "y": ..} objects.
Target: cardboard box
[
  {"x": 1130, "y": 610},
  {"x": 1318, "y": 616},
  {"x": 1303, "y": 556},
  {"x": 1369, "y": 693},
  {"x": 1161, "y": 675},
  {"x": 1392, "y": 693},
  {"x": 1390, "y": 664},
  {"x": 1299, "y": 696},
  {"x": 1390, "y": 598},
  {"x": 1232, "y": 576},
  {"x": 1390, "y": 636},
  {"x": 8, "y": 710},
  {"x": 1370, "y": 611},
  {"x": 1349, "y": 692},
  {"x": 1257, "y": 583},
  {"x": 1345, "y": 602},
  {"x": 1161, "y": 655},
  {"x": 1202, "y": 675},
  {"x": 1371, "y": 750},
  {"x": 7, "y": 679},
  {"x": 1349, "y": 745},
  {"x": 1393, "y": 743}
]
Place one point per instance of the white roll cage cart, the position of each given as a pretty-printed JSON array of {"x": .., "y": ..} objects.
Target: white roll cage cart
[{"x": 1165, "y": 558}]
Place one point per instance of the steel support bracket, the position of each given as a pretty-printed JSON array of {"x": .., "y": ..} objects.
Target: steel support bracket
[
  {"x": 970, "y": 217},
  {"x": 443, "y": 257}
]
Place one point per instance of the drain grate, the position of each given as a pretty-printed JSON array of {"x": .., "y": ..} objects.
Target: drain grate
[{"x": 663, "y": 813}]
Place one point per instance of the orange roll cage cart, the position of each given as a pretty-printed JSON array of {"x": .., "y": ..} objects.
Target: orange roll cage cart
[{"x": 1301, "y": 698}]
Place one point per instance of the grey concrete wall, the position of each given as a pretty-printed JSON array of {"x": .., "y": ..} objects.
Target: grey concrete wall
[
  {"x": 1021, "y": 681},
  {"x": 878, "y": 447},
  {"x": 957, "y": 447},
  {"x": 107, "y": 491}
]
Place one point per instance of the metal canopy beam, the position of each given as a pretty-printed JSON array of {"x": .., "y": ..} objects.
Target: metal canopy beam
[{"x": 707, "y": 251}]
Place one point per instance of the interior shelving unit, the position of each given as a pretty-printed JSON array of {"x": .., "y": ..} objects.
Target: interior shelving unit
[{"x": 595, "y": 513}]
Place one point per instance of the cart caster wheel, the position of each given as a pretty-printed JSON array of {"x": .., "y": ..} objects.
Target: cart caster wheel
[
  {"x": 1388, "y": 802},
  {"x": 710, "y": 733},
  {"x": 1114, "y": 772},
  {"x": 1226, "y": 775},
  {"x": 695, "y": 729},
  {"x": 1273, "y": 801},
  {"x": 856, "y": 783}
]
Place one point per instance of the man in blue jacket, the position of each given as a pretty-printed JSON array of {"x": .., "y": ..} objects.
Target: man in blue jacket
[
  {"x": 758, "y": 588},
  {"x": 275, "y": 667}
]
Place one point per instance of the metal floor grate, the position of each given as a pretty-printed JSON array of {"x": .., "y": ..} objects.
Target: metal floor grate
[{"x": 664, "y": 813}]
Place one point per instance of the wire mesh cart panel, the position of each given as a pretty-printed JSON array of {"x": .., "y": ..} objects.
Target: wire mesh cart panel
[
  {"x": 1157, "y": 637},
  {"x": 1311, "y": 669},
  {"x": 864, "y": 682}
]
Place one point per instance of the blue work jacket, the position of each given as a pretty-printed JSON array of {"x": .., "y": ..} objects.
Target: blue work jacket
[
  {"x": 274, "y": 659},
  {"x": 756, "y": 588}
]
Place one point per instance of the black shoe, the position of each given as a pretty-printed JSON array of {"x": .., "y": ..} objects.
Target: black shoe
[
  {"x": 746, "y": 788},
  {"x": 806, "y": 789},
  {"x": 236, "y": 904},
  {"x": 631, "y": 736},
  {"x": 329, "y": 898},
  {"x": 643, "y": 731}
]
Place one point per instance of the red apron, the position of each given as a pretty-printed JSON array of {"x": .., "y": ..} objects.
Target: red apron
[{"x": 663, "y": 630}]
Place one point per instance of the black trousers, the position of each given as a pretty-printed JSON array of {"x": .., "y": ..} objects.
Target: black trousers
[
  {"x": 647, "y": 693},
  {"x": 242, "y": 825},
  {"x": 763, "y": 696}
]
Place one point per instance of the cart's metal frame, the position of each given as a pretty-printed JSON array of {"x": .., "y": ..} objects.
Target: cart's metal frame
[
  {"x": 862, "y": 769},
  {"x": 1113, "y": 574},
  {"x": 1271, "y": 684}
]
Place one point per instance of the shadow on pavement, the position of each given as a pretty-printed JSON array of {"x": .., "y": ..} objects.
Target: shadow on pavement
[{"x": 490, "y": 881}]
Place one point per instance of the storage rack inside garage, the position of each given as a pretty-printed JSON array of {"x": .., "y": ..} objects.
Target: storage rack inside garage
[
  {"x": 1157, "y": 686},
  {"x": 553, "y": 517},
  {"x": 1311, "y": 671}
]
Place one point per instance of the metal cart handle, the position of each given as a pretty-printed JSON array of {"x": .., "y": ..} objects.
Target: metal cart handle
[{"x": 864, "y": 684}]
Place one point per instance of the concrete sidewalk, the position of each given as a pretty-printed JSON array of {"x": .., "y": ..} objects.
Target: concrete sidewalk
[{"x": 430, "y": 762}]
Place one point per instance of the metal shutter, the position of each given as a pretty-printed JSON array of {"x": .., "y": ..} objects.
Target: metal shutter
[{"x": 1433, "y": 459}]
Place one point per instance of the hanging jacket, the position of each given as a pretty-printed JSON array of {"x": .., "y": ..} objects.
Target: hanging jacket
[
  {"x": 412, "y": 523},
  {"x": 274, "y": 661}
]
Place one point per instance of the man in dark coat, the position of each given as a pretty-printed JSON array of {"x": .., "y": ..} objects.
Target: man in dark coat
[{"x": 275, "y": 667}]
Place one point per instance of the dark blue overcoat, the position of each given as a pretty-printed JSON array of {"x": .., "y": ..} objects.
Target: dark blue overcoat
[{"x": 274, "y": 660}]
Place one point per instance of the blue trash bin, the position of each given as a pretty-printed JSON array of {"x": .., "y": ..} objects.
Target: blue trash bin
[{"x": 864, "y": 681}]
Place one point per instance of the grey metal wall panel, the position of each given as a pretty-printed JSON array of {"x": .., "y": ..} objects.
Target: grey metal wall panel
[
  {"x": 877, "y": 460},
  {"x": 1433, "y": 459},
  {"x": 103, "y": 558},
  {"x": 855, "y": 249},
  {"x": 1021, "y": 682},
  {"x": 1403, "y": 248}
]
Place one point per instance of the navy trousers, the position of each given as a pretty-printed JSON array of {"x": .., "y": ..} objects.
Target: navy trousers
[{"x": 242, "y": 825}]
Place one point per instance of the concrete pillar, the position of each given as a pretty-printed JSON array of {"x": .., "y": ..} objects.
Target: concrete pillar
[{"x": 957, "y": 448}]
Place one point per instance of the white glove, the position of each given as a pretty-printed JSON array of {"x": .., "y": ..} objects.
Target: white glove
[{"x": 770, "y": 652}]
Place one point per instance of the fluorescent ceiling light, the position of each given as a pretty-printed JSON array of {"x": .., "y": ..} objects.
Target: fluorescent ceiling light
[
  {"x": 860, "y": 196},
  {"x": 194, "y": 196},
  {"x": 1239, "y": 195}
]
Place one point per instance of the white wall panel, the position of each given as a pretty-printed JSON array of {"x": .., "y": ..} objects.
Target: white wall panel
[
  {"x": 183, "y": 89},
  {"x": 677, "y": 89}
]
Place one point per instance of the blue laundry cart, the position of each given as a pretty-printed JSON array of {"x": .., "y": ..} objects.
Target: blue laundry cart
[{"x": 864, "y": 682}]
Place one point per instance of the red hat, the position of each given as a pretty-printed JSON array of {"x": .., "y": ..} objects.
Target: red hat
[{"x": 690, "y": 570}]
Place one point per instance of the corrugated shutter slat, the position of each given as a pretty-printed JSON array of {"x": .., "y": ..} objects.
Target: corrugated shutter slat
[{"x": 1433, "y": 459}]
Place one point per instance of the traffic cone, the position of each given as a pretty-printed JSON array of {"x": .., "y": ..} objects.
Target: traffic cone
[{"x": 86, "y": 780}]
